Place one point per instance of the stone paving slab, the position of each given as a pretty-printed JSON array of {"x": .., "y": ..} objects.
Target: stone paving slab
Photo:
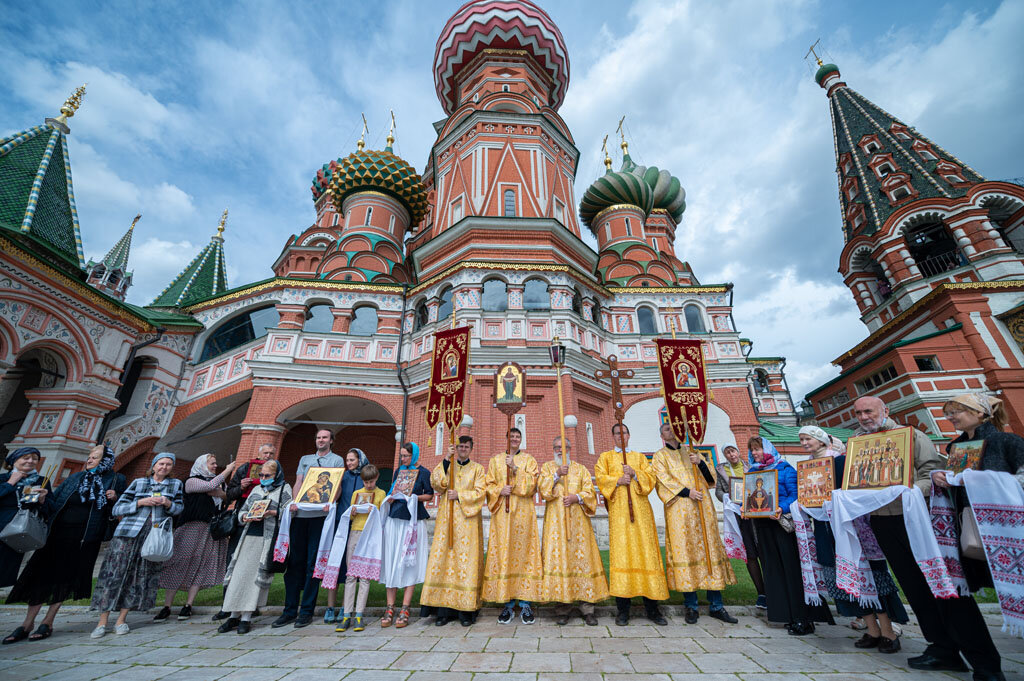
[{"x": 708, "y": 651}]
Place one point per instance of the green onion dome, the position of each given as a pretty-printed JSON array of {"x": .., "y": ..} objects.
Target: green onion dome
[
  {"x": 823, "y": 71},
  {"x": 668, "y": 191},
  {"x": 614, "y": 188},
  {"x": 381, "y": 171}
]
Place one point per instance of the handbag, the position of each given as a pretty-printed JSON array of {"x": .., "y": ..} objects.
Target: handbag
[
  {"x": 273, "y": 566},
  {"x": 26, "y": 531},
  {"x": 222, "y": 525},
  {"x": 971, "y": 545},
  {"x": 786, "y": 521},
  {"x": 159, "y": 544}
]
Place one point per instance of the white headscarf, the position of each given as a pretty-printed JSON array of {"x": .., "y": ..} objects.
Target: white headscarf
[
  {"x": 979, "y": 402},
  {"x": 201, "y": 469},
  {"x": 834, "y": 447}
]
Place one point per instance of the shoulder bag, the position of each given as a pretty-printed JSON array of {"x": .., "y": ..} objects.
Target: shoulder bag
[
  {"x": 26, "y": 531},
  {"x": 159, "y": 544},
  {"x": 971, "y": 545}
]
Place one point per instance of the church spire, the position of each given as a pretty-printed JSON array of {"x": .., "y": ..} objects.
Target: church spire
[
  {"x": 203, "y": 278},
  {"x": 111, "y": 274}
]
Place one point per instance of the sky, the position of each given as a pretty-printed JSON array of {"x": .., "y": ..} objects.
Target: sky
[{"x": 196, "y": 107}]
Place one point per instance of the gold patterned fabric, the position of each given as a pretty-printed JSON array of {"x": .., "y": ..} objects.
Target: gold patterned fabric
[
  {"x": 513, "y": 568},
  {"x": 686, "y": 560},
  {"x": 572, "y": 562},
  {"x": 635, "y": 567},
  {"x": 453, "y": 574}
]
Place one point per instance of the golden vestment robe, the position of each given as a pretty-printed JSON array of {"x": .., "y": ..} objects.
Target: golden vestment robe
[
  {"x": 513, "y": 568},
  {"x": 453, "y": 574},
  {"x": 572, "y": 562},
  {"x": 635, "y": 567},
  {"x": 686, "y": 561}
]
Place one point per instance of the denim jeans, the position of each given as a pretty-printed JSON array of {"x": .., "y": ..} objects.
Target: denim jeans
[{"x": 714, "y": 600}]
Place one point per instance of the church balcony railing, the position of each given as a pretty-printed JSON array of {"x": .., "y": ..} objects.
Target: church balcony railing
[{"x": 943, "y": 262}]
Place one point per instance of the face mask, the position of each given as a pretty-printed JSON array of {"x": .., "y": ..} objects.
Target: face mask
[{"x": 266, "y": 482}]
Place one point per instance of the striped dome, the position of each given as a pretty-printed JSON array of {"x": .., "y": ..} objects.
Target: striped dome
[
  {"x": 613, "y": 188},
  {"x": 379, "y": 171},
  {"x": 499, "y": 24},
  {"x": 668, "y": 192}
]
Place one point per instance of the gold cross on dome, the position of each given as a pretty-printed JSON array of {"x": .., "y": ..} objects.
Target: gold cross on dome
[{"x": 811, "y": 51}]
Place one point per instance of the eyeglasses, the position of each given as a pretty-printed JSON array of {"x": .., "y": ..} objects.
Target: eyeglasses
[{"x": 267, "y": 476}]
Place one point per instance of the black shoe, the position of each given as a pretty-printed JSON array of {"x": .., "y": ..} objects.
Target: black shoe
[
  {"x": 989, "y": 676},
  {"x": 442, "y": 621},
  {"x": 801, "y": 628},
  {"x": 221, "y": 615},
  {"x": 185, "y": 612},
  {"x": 656, "y": 617},
  {"x": 282, "y": 621},
  {"x": 691, "y": 616},
  {"x": 622, "y": 619},
  {"x": 466, "y": 620},
  {"x": 889, "y": 645},
  {"x": 303, "y": 621},
  {"x": 164, "y": 613},
  {"x": 591, "y": 619},
  {"x": 244, "y": 627},
  {"x": 562, "y": 620},
  {"x": 930, "y": 663},
  {"x": 229, "y": 624},
  {"x": 723, "y": 615},
  {"x": 867, "y": 641}
]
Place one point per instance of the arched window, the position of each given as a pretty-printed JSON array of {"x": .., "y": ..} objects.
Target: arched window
[
  {"x": 933, "y": 248},
  {"x": 596, "y": 314},
  {"x": 319, "y": 319},
  {"x": 364, "y": 321},
  {"x": 113, "y": 279},
  {"x": 99, "y": 272},
  {"x": 535, "y": 295},
  {"x": 694, "y": 319},
  {"x": 444, "y": 310},
  {"x": 510, "y": 203},
  {"x": 495, "y": 296},
  {"x": 647, "y": 323},
  {"x": 422, "y": 316},
  {"x": 239, "y": 330},
  {"x": 577, "y": 304},
  {"x": 761, "y": 380}
]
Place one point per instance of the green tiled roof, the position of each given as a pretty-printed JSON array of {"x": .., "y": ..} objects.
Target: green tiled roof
[
  {"x": 36, "y": 194},
  {"x": 117, "y": 258},
  {"x": 782, "y": 434},
  {"x": 204, "y": 277}
]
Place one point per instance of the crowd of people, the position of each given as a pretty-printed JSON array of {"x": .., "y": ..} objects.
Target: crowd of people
[{"x": 233, "y": 528}]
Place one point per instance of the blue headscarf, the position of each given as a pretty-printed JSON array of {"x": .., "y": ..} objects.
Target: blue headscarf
[
  {"x": 32, "y": 478},
  {"x": 412, "y": 465},
  {"x": 162, "y": 455},
  {"x": 771, "y": 455},
  {"x": 91, "y": 486},
  {"x": 13, "y": 457}
]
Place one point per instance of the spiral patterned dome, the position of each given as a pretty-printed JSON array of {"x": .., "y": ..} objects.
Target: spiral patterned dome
[
  {"x": 322, "y": 179},
  {"x": 381, "y": 171},
  {"x": 614, "y": 188},
  {"x": 499, "y": 24},
  {"x": 667, "y": 190}
]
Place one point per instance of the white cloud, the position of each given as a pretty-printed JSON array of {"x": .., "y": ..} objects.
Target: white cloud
[
  {"x": 171, "y": 203},
  {"x": 155, "y": 262}
]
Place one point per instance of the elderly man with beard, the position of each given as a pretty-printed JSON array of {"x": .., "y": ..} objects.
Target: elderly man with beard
[{"x": 951, "y": 626}]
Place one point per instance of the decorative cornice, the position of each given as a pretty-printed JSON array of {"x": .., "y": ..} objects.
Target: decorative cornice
[
  {"x": 721, "y": 288},
  {"x": 530, "y": 267},
  {"x": 617, "y": 206},
  {"x": 289, "y": 282}
]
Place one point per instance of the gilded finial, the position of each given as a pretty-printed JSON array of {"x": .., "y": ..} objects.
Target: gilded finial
[
  {"x": 624, "y": 144},
  {"x": 391, "y": 131},
  {"x": 607, "y": 158},
  {"x": 71, "y": 104},
  {"x": 812, "y": 51},
  {"x": 362, "y": 138},
  {"x": 135, "y": 221},
  {"x": 220, "y": 227}
]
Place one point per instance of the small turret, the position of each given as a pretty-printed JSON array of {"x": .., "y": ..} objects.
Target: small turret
[{"x": 111, "y": 274}]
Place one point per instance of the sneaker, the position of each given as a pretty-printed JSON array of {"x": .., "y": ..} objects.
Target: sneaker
[
  {"x": 164, "y": 613},
  {"x": 358, "y": 624},
  {"x": 343, "y": 624},
  {"x": 185, "y": 612},
  {"x": 762, "y": 602},
  {"x": 723, "y": 615},
  {"x": 98, "y": 632},
  {"x": 507, "y": 613},
  {"x": 329, "y": 616},
  {"x": 526, "y": 614},
  {"x": 122, "y": 629}
]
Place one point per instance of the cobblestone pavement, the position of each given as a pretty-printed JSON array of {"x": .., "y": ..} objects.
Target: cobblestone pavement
[{"x": 708, "y": 651}]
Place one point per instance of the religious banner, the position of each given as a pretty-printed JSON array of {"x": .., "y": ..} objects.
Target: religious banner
[
  {"x": 448, "y": 377},
  {"x": 685, "y": 382}
]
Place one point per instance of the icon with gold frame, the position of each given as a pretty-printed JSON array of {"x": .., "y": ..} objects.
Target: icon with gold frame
[{"x": 879, "y": 460}]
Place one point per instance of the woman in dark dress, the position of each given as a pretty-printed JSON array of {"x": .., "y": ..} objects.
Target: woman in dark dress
[
  {"x": 21, "y": 474},
  {"x": 62, "y": 569}
]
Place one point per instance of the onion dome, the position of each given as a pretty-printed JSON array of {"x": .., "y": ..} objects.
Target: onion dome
[
  {"x": 668, "y": 191},
  {"x": 380, "y": 171},
  {"x": 614, "y": 188},
  {"x": 499, "y": 24},
  {"x": 823, "y": 71},
  {"x": 322, "y": 180}
]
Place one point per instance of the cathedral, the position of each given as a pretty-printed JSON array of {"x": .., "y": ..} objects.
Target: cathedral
[{"x": 339, "y": 335}]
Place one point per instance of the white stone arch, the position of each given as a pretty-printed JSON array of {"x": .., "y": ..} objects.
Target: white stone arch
[{"x": 643, "y": 422}]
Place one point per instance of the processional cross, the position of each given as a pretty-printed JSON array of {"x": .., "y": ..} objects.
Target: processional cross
[{"x": 612, "y": 373}]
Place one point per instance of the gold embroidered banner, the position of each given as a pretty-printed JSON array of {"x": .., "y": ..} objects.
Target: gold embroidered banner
[
  {"x": 448, "y": 377},
  {"x": 685, "y": 381}
]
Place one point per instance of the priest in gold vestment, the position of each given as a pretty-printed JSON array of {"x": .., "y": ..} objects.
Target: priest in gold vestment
[
  {"x": 513, "y": 569},
  {"x": 635, "y": 567},
  {"x": 690, "y": 520},
  {"x": 453, "y": 573},
  {"x": 572, "y": 562}
]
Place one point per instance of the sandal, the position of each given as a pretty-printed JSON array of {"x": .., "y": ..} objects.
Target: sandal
[
  {"x": 18, "y": 634},
  {"x": 389, "y": 616},
  {"x": 43, "y": 631},
  {"x": 403, "y": 619}
]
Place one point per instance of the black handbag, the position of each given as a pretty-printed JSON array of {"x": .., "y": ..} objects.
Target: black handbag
[
  {"x": 222, "y": 525},
  {"x": 273, "y": 566}
]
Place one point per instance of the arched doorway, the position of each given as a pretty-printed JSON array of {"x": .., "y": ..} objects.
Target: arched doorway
[
  {"x": 355, "y": 421},
  {"x": 34, "y": 368}
]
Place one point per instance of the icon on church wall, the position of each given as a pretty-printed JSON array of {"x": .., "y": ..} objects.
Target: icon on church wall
[
  {"x": 760, "y": 492},
  {"x": 815, "y": 480},
  {"x": 879, "y": 460},
  {"x": 321, "y": 486}
]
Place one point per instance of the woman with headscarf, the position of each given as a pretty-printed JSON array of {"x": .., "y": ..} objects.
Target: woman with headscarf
[
  {"x": 199, "y": 560},
  {"x": 355, "y": 459},
  {"x": 126, "y": 581},
  {"x": 405, "y": 537},
  {"x": 881, "y": 632},
  {"x": 248, "y": 577},
  {"x": 735, "y": 467},
  {"x": 21, "y": 476},
  {"x": 62, "y": 569},
  {"x": 778, "y": 547}
]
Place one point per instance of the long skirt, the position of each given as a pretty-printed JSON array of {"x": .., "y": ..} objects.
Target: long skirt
[
  {"x": 10, "y": 563},
  {"x": 784, "y": 587},
  {"x": 125, "y": 579},
  {"x": 888, "y": 594},
  {"x": 60, "y": 571},
  {"x": 242, "y": 594},
  {"x": 394, "y": 572},
  {"x": 198, "y": 560}
]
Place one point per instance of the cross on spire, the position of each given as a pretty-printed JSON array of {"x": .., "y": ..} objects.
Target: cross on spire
[{"x": 817, "y": 43}]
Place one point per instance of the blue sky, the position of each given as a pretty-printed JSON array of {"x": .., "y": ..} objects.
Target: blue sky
[{"x": 197, "y": 107}]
